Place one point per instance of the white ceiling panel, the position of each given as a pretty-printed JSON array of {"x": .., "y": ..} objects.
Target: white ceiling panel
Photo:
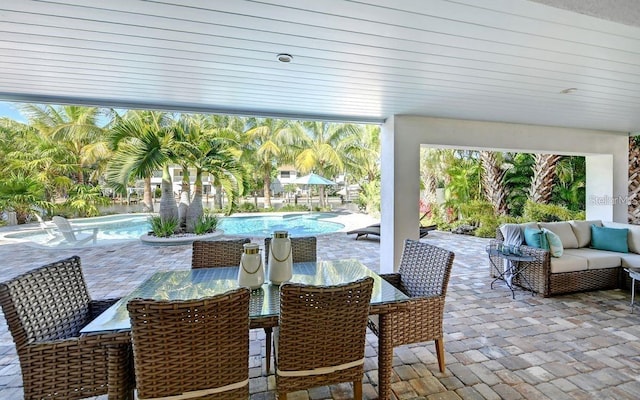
[{"x": 497, "y": 60}]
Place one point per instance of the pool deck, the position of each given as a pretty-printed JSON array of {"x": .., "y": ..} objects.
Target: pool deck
[{"x": 579, "y": 346}]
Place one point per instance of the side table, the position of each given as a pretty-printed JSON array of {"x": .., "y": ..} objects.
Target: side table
[
  {"x": 517, "y": 268},
  {"x": 633, "y": 274}
]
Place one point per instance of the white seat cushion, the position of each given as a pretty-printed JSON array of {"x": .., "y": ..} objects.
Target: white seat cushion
[
  {"x": 630, "y": 260},
  {"x": 562, "y": 229},
  {"x": 568, "y": 263},
  {"x": 582, "y": 230},
  {"x": 597, "y": 259}
]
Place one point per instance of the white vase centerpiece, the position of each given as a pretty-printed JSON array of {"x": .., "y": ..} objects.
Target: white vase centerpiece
[
  {"x": 251, "y": 272},
  {"x": 280, "y": 260}
]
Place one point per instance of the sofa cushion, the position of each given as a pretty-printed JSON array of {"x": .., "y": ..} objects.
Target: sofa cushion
[
  {"x": 611, "y": 239},
  {"x": 531, "y": 225},
  {"x": 582, "y": 230},
  {"x": 597, "y": 259},
  {"x": 633, "y": 240},
  {"x": 562, "y": 229},
  {"x": 535, "y": 238},
  {"x": 630, "y": 260},
  {"x": 555, "y": 244},
  {"x": 568, "y": 263}
]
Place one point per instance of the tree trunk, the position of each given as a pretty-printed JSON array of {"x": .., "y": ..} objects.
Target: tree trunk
[
  {"x": 493, "y": 182},
  {"x": 266, "y": 187},
  {"x": 168, "y": 207},
  {"x": 544, "y": 171},
  {"x": 217, "y": 199},
  {"x": 195, "y": 210},
  {"x": 321, "y": 196},
  {"x": 634, "y": 181},
  {"x": 147, "y": 197},
  {"x": 185, "y": 196}
]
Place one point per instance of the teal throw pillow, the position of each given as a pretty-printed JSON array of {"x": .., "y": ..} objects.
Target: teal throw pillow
[
  {"x": 535, "y": 238},
  {"x": 555, "y": 244},
  {"x": 611, "y": 239}
]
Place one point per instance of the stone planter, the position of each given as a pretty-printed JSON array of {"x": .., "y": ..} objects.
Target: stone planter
[{"x": 178, "y": 240}]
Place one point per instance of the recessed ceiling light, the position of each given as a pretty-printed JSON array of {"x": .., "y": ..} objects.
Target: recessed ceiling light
[
  {"x": 569, "y": 90},
  {"x": 285, "y": 58}
]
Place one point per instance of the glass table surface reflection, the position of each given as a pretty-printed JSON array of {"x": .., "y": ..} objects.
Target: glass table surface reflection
[{"x": 265, "y": 301}]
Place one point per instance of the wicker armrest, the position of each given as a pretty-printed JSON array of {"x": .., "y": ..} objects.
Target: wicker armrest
[
  {"x": 393, "y": 279},
  {"x": 97, "y": 307},
  {"x": 539, "y": 254}
]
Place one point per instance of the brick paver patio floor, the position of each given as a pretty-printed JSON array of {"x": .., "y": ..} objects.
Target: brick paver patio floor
[{"x": 581, "y": 346}]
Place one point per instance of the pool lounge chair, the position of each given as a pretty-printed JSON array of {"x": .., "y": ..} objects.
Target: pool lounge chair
[
  {"x": 50, "y": 229},
  {"x": 74, "y": 236},
  {"x": 375, "y": 230}
]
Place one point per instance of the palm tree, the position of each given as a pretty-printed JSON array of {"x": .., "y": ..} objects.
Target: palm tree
[
  {"x": 544, "y": 172},
  {"x": 74, "y": 128},
  {"x": 23, "y": 195},
  {"x": 569, "y": 189},
  {"x": 362, "y": 156},
  {"x": 209, "y": 149},
  {"x": 25, "y": 151},
  {"x": 266, "y": 138},
  {"x": 144, "y": 142},
  {"x": 493, "y": 175},
  {"x": 322, "y": 149}
]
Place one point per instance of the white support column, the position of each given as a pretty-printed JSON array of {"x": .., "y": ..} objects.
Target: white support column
[{"x": 400, "y": 191}]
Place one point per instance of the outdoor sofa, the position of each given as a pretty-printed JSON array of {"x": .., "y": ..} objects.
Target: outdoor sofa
[{"x": 592, "y": 256}]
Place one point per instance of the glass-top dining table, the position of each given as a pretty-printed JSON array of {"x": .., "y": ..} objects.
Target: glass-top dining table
[{"x": 263, "y": 308}]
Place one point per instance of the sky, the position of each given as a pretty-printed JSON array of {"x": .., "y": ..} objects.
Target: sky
[{"x": 10, "y": 110}]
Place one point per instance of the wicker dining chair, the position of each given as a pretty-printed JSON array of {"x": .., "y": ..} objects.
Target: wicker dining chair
[
  {"x": 217, "y": 253},
  {"x": 192, "y": 348},
  {"x": 303, "y": 249},
  {"x": 423, "y": 276},
  {"x": 45, "y": 310},
  {"x": 321, "y": 337}
]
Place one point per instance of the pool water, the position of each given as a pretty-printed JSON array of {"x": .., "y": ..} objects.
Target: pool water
[
  {"x": 111, "y": 228},
  {"x": 295, "y": 224},
  {"x": 125, "y": 227}
]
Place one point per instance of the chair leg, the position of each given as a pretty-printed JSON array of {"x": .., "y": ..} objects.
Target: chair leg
[
  {"x": 357, "y": 390},
  {"x": 268, "y": 333},
  {"x": 440, "y": 353}
]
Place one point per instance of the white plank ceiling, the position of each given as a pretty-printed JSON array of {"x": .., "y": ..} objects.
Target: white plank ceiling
[{"x": 495, "y": 60}]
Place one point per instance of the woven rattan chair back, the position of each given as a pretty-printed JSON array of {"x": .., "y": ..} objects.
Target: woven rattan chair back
[
  {"x": 45, "y": 310},
  {"x": 424, "y": 276},
  {"x": 424, "y": 269},
  {"x": 322, "y": 329},
  {"x": 303, "y": 249},
  {"x": 185, "y": 346},
  {"x": 217, "y": 253}
]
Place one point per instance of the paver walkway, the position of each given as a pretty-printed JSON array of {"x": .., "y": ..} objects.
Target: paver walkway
[{"x": 582, "y": 346}]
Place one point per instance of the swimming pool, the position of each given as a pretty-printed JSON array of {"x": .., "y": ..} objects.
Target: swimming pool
[
  {"x": 123, "y": 227},
  {"x": 111, "y": 229},
  {"x": 295, "y": 224}
]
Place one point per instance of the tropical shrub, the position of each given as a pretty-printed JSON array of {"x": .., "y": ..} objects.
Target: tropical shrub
[
  {"x": 206, "y": 224},
  {"x": 546, "y": 212},
  {"x": 163, "y": 228},
  {"x": 369, "y": 197},
  {"x": 294, "y": 207},
  {"x": 247, "y": 207},
  {"x": 83, "y": 200},
  {"x": 23, "y": 195}
]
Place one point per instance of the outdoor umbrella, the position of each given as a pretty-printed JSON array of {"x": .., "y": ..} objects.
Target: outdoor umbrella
[{"x": 313, "y": 179}]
